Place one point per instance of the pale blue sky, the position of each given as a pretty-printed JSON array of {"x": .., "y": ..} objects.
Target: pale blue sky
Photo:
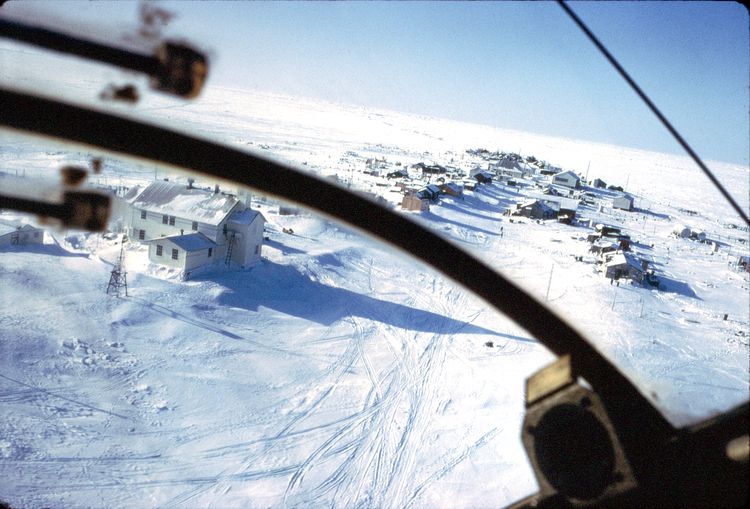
[{"x": 513, "y": 65}]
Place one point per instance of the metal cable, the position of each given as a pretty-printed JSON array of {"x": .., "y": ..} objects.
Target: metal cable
[{"x": 612, "y": 60}]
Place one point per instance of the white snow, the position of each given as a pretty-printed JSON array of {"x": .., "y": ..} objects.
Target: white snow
[{"x": 338, "y": 372}]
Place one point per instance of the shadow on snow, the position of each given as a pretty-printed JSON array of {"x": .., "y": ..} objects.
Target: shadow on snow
[
  {"x": 667, "y": 284},
  {"x": 45, "y": 249},
  {"x": 285, "y": 289},
  {"x": 287, "y": 250}
]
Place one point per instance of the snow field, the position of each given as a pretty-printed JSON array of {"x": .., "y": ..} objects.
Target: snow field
[{"x": 337, "y": 372}]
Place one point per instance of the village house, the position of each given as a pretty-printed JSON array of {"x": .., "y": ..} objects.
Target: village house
[
  {"x": 563, "y": 206},
  {"x": 624, "y": 266},
  {"x": 397, "y": 174},
  {"x": 603, "y": 247},
  {"x": 605, "y": 229},
  {"x": 184, "y": 252},
  {"x": 430, "y": 192},
  {"x": 509, "y": 172},
  {"x": 453, "y": 171},
  {"x": 431, "y": 169},
  {"x": 413, "y": 202},
  {"x": 623, "y": 202},
  {"x": 20, "y": 235},
  {"x": 599, "y": 184},
  {"x": 681, "y": 231},
  {"x": 375, "y": 166},
  {"x": 507, "y": 161},
  {"x": 483, "y": 177},
  {"x": 452, "y": 189},
  {"x": 475, "y": 170},
  {"x": 698, "y": 235},
  {"x": 535, "y": 209},
  {"x": 567, "y": 179},
  {"x": 186, "y": 227}
]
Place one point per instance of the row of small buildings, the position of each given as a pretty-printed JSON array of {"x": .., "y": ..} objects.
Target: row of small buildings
[{"x": 615, "y": 260}]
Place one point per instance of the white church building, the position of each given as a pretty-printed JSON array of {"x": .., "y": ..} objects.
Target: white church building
[{"x": 186, "y": 227}]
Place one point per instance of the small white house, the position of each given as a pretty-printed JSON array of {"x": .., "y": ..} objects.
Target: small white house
[
  {"x": 536, "y": 209},
  {"x": 698, "y": 235},
  {"x": 245, "y": 234},
  {"x": 20, "y": 235},
  {"x": 682, "y": 231},
  {"x": 623, "y": 202},
  {"x": 567, "y": 179},
  {"x": 624, "y": 265},
  {"x": 184, "y": 252}
]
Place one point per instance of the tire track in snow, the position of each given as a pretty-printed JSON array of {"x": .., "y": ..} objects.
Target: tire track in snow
[
  {"x": 65, "y": 398},
  {"x": 359, "y": 339},
  {"x": 450, "y": 465},
  {"x": 421, "y": 399},
  {"x": 369, "y": 451},
  {"x": 338, "y": 369}
]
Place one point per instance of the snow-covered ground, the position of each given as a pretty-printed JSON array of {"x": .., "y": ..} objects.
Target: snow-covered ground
[{"x": 339, "y": 372}]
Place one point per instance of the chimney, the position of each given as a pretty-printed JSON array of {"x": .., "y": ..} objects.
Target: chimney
[
  {"x": 216, "y": 189},
  {"x": 190, "y": 183}
]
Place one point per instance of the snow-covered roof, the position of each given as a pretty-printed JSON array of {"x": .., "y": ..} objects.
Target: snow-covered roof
[
  {"x": 246, "y": 216},
  {"x": 452, "y": 186},
  {"x": 8, "y": 228},
  {"x": 611, "y": 238},
  {"x": 602, "y": 243},
  {"x": 192, "y": 204},
  {"x": 563, "y": 203},
  {"x": 602, "y": 226},
  {"x": 190, "y": 242},
  {"x": 566, "y": 174},
  {"x": 544, "y": 206},
  {"x": 132, "y": 193},
  {"x": 625, "y": 258},
  {"x": 527, "y": 203}
]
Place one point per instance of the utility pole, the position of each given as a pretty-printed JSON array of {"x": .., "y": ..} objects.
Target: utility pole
[
  {"x": 587, "y": 172},
  {"x": 549, "y": 284},
  {"x": 640, "y": 315},
  {"x": 614, "y": 298}
]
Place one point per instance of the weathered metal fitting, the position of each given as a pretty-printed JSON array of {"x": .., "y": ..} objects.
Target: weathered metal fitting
[{"x": 182, "y": 70}]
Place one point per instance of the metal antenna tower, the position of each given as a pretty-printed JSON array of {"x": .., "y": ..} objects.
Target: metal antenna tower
[{"x": 118, "y": 278}]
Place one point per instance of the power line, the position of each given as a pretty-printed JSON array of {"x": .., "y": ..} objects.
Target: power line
[{"x": 612, "y": 60}]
